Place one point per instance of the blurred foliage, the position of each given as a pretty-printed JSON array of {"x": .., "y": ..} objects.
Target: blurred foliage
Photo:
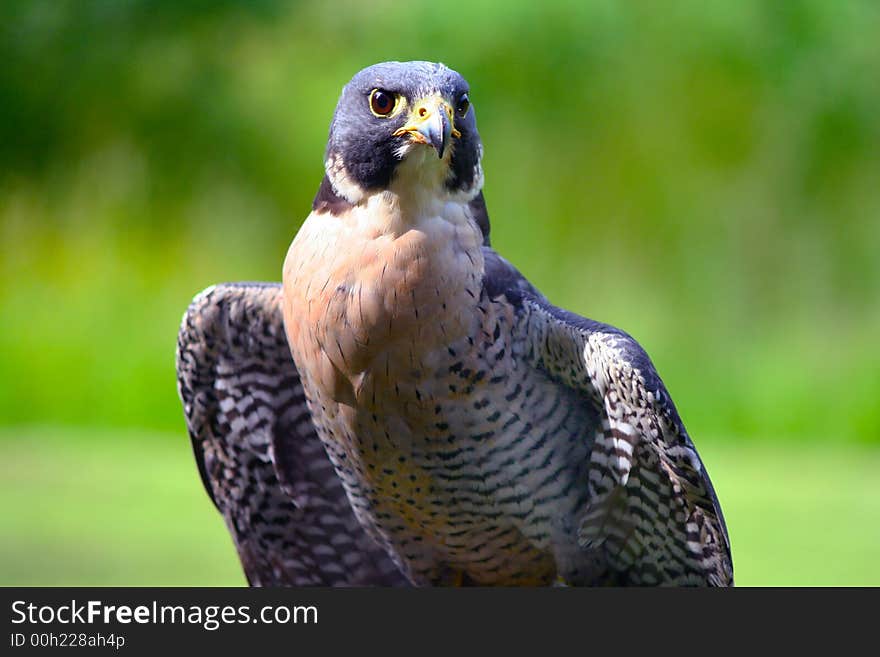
[{"x": 702, "y": 174}]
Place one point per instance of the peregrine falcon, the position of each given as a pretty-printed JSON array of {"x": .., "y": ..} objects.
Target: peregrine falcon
[{"x": 407, "y": 409}]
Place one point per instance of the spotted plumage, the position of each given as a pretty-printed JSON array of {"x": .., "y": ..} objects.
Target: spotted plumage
[{"x": 430, "y": 417}]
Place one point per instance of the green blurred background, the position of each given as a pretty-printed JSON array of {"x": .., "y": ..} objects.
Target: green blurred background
[{"x": 705, "y": 175}]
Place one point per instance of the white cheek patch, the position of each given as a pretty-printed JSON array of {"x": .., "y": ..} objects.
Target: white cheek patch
[
  {"x": 342, "y": 182},
  {"x": 465, "y": 194}
]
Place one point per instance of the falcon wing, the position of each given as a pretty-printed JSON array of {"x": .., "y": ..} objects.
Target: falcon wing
[
  {"x": 652, "y": 516},
  {"x": 259, "y": 457}
]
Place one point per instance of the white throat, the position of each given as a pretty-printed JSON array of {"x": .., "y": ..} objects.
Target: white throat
[
  {"x": 417, "y": 191},
  {"x": 420, "y": 180}
]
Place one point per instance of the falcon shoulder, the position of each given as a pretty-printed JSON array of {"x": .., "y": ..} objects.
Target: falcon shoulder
[
  {"x": 652, "y": 516},
  {"x": 257, "y": 451}
]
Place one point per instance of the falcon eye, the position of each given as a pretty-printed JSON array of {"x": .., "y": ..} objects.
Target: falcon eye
[
  {"x": 463, "y": 105},
  {"x": 381, "y": 102}
]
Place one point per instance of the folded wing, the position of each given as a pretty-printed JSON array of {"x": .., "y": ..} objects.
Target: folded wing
[
  {"x": 259, "y": 457},
  {"x": 652, "y": 515}
]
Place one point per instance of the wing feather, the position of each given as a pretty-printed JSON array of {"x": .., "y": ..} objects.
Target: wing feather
[
  {"x": 653, "y": 515},
  {"x": 257, "y": 452}
]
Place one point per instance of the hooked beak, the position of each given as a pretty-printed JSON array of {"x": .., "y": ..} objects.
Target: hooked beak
[{"x": 430, "y": 122}]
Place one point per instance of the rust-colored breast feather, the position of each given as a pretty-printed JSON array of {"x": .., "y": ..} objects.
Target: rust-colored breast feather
[{"x": 357, "y": 292}]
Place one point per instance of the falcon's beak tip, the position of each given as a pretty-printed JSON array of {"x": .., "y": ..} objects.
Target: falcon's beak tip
[{"x": 430, "y": 123}]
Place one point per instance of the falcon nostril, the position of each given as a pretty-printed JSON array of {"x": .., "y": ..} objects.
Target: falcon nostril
[{"x": 423, "y": 112}]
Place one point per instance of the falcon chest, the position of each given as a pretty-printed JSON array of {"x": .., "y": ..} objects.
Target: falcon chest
[{"x": 373, "y": 298}]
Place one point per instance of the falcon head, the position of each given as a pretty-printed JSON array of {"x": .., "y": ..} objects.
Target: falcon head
[{"x": 405, "y": 127}]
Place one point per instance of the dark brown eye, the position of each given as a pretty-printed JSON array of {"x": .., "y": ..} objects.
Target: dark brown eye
[
  {"x": 463, "y": 105},
  {"x": 381, "y": 102}
]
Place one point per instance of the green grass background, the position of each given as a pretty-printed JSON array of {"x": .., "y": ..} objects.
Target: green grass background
[{"x": 704, "y": 175}]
